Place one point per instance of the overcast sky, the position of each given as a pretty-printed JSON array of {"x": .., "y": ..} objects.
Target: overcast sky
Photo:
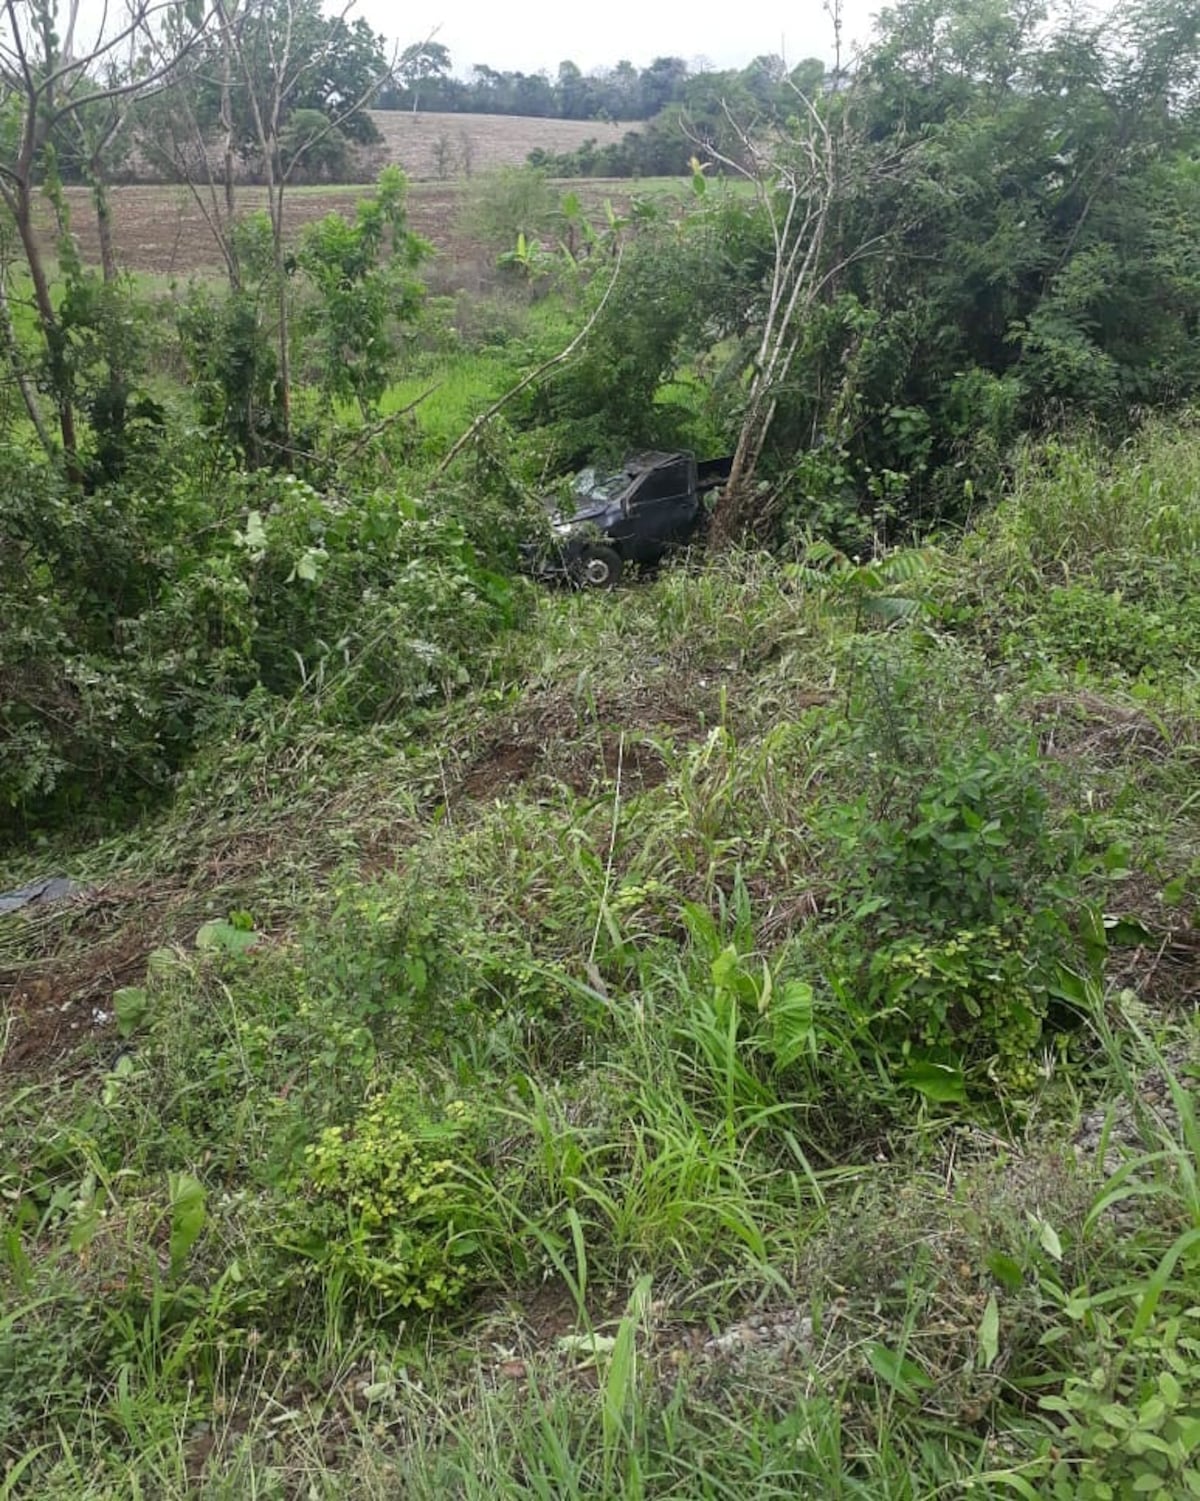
[
  {"x": 534, "y": 35},
  {"x": 531, "y": 35}
]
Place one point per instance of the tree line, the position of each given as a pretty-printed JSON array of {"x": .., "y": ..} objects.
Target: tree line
[{"x": 423, "y": 78}]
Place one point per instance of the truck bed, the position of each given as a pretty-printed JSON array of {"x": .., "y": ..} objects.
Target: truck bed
[{"x": 712, "y": 472}]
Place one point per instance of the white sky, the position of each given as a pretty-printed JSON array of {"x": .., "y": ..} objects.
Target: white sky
[
  {"x": 530, "y": 35},
  {"x": 535, "y": 35}
]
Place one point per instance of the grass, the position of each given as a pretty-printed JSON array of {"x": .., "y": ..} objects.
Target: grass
[{"x": 544, "y": 1142}]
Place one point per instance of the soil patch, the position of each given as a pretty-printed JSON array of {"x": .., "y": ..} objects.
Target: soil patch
[
  {"x": 1084, "y": 726},
  {"x": 590, "y": 746},
  {"x": 159, "y": 228},
  {"x": 503, "y": 765},
  {"x": 59, "y": 992}
]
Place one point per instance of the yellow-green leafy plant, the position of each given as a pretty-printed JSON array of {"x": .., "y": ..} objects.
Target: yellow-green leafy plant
[{"x": 389, "y": 1204}]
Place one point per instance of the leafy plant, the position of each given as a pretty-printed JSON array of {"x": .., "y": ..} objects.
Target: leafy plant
[
  {"x": 1132, "y": 1425},
  {"x": 952, "y": 928},
  {"x": 365, "y": 286},
  {"x": 387, "y": 1203}
]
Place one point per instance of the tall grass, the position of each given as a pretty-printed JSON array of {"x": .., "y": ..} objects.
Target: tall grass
[{"x": 589, "y": 930}]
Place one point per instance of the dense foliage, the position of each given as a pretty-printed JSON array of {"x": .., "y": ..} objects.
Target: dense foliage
[
  {"x": 755, "y": 945},
  {"x": 424, "y": 80},
  {"x": 1006, "y": 246}
]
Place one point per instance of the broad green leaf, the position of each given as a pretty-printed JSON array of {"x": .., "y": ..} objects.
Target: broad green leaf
[
  {"x": 223, "y": 937},
  {"x": 131, "y": 1006},
  {"x": 888, "y": 607},
  {"x": 936, "y": 1081},
  {"x": 1006, "y": 1271},
  {"x": 162, "y": 961},
  {"x": 1152, "y": 1411},
  {"x": 1126, "y": 932},
  {"x": 989, "y": 1333},
  {"x": 1047, "y": 1237},
  {"x": 902, "y": 1375},
  {"x": 791, "y": 1017},
  {"x": 1009, "y": 1478},
  {"x": 187, "y": 1215},
  {"x": 725, "y": 968},
  {"x": 309, "y": 566},
  {"x": 1170, "y": 1389}
]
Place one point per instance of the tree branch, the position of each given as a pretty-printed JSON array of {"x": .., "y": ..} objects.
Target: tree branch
[{"x": 561, "y": 358}]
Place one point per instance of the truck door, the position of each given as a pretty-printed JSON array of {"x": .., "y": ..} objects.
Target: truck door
[{"x": 661, "y": 510}]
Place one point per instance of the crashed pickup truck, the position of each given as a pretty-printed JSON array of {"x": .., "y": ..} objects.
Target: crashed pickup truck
[{"x": 633, "y": 515}]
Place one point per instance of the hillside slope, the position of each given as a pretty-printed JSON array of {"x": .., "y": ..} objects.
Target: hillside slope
[
  {"x": 692, "y": 1059},
  {"x": 440, "y": 146}
]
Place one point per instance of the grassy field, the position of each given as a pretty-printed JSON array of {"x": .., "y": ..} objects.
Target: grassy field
[{"x": 493, "y": 1104}]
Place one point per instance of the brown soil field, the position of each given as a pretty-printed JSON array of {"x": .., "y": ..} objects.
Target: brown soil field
[
  {"x": 161, "y": 229},
  {"x": 475, "y": 143}
]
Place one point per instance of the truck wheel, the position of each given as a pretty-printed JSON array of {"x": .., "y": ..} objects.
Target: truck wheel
[{"x": 600, "y": 568}]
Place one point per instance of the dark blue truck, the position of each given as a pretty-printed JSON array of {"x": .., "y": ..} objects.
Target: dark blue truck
[{"x": 632, "y": 515}]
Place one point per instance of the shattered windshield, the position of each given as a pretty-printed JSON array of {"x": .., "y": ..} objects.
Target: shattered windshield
[{"x": 592, "y": 488}]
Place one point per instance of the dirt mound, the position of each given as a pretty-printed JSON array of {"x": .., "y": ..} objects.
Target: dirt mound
[{"x": 589, "y": 747}]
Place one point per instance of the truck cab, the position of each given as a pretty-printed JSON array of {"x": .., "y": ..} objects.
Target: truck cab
[{"x": 633, "y": 515}]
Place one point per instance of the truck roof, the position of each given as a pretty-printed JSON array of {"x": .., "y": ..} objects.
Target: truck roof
[{"x": 639, "y": 463}]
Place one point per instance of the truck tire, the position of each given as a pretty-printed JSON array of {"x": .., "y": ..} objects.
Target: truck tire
[{"x": 600, "y": 567}]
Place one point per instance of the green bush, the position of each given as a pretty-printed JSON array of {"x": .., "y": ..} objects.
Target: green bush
[
  {"x": 1149, "y": 627},
  {"x": 954, "y": 900},
  {"x": 1132, "y": 1431},
  {"x": 387, "y": 1201},
  {"x": 140, "y": 620}
]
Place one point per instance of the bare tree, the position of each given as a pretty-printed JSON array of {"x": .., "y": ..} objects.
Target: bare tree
[
  {"x": 466, "y": 151},
  {"x": 802, "y": 179}
]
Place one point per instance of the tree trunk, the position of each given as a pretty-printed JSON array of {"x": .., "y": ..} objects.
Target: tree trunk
[
  {"x": 12, "y": 349},
  {"x": 104, "y": 226},
  {"x": 231, "y": 255},
  {"x": 285, "y": 342},
  {"x": 51, "y": 330}
]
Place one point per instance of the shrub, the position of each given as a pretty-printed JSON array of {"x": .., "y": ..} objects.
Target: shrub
[
  {"x": 141, "y": 620},
  {"x": 957, "y": 880},
  {"x": 386, "y": 1202},
  {"x": 953, "y": 923}
]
